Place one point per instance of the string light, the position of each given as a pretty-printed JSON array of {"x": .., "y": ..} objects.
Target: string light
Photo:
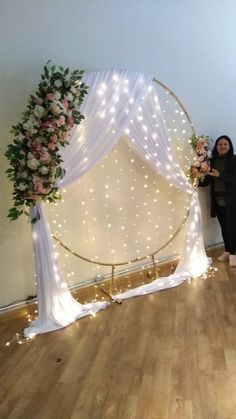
[{"x": 93, "y": 228}]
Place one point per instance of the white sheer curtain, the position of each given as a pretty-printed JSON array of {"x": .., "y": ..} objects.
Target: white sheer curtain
[
  {"x": 149, "y": 138},
  {"x": 118, "y": 102},
  {"x": 112, "y": 100}
]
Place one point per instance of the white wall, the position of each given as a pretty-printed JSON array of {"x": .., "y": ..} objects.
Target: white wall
[{"x": 188, "y": 45}]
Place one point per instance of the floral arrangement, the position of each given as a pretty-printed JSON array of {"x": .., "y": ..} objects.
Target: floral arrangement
[
  {"x": 34, "y": 156},
  {"x": 201, "y": 165}
]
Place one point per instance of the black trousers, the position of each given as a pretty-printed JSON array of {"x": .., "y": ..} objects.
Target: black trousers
[{"x": 227, "y": 229}]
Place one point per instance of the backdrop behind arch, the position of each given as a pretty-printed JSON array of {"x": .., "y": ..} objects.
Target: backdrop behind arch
[{"x": 117, "y": 102}]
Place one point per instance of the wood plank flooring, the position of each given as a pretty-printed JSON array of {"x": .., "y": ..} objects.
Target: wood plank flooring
[{"x": 169, "y": 355}]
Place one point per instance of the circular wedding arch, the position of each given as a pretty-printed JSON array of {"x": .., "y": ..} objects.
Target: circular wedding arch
[
  {"x": 151, "y": 254},
  {"x": 112, "y": 102}
]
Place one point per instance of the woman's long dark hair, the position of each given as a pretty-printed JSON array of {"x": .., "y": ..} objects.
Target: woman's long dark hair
[{"x": 231, "y": 148}]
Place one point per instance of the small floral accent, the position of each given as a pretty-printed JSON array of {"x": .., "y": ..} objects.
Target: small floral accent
[
  {"x": 45, "y": 127},
  {"x": 201, "y": 165}
]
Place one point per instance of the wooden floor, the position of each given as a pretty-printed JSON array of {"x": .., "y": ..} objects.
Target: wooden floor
[{"x": 169, "y": 355}]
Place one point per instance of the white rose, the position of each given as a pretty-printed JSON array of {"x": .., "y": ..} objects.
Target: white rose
[
  {"x": 20, "y": 137},
  {"x": 57, "y": 96},
  {"x": 63, "y": 109},
  {"x": 35, "y": 178},
  {"x": 33, "y": 164},
  {"x": 44, "y": 170},
  {"x": 58, "y": 83},
  {"x": 28, "y": 124},
  {"x": 22, "y": 186},
  {"x": 38, "y": 111},
  {"x": 76, "y": 103},
  {"x": 24, "y": 175},
  {"x": 69, "y": 97}
]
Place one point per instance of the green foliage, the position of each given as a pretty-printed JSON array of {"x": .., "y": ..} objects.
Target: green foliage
[{"x": 34, "y": 156}]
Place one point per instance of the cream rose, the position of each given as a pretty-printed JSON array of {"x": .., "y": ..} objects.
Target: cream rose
[
  {"x": 33, "y": 164},
  {"x": 44, "y": 170},
  {"x": 55, "y": 109},
  {"x": 30, "y": 156}
]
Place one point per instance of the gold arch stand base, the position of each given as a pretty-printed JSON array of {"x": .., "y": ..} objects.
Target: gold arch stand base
[
  {"x": 110, "y": 292},
  {"x": 112, "y": 286}
]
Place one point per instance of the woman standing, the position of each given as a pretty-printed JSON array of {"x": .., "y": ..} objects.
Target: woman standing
[{"x": 222, "y": 179}]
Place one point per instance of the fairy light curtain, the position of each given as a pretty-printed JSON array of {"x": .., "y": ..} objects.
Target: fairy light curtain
[{"x": 118, "y": 102}]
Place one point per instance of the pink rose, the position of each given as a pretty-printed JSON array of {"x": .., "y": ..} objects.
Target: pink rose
[
  {"x": 65, "y": 103},
  {"x": 22, "y": 163},
  {"x": 39, "y": 187},
  {"x": 64, "y": 136},
  {"x": 39, "y": 101},
  {"x": 36, "y": 144},
  {"x": 47, "y": 123},
  {"x": 200, "y": 143},
  {"x": 70, "y": 120},
  {"x": 34, "y": 197},
  {"x": 51, "y": 96},
  {"x": 201, "y": 158},
  {"x": 38, "y": 123},
  {"x": 28, "y": 135},
  {"x": 61, "y": 121},
  {"x": 194, "y": 171},
  {"x": 44, "y": 156},
  {"x": 200, "y": 150},
  {"x": 50, "y": 124},
  {"x": 53, "y": 138},
  {"x": 205, "y": 167},
  {"x": 52, "y": 146}
]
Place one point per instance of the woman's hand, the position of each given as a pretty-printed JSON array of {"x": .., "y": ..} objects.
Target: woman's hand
[{"x": 214, "y": 173}]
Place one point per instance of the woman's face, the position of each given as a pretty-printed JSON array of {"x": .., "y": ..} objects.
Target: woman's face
[{"x": 222, "y": 146}]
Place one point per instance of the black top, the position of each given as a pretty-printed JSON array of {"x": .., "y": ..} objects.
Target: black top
[{"x": 228, "y": 177}]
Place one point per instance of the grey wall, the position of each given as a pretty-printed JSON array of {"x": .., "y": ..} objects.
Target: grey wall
[{"x": 188, "y": 45}]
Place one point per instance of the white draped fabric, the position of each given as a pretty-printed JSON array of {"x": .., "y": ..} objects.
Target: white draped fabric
[
  {"x": 112, "y": 100},
  {"x": 118, "y": 103},
  {"x": 56, "y": 307}
]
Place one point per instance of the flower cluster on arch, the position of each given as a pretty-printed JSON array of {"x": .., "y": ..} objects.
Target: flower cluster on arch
[
  {"x": 201, "y": 164},
  {"x": 34, "y": 156}
]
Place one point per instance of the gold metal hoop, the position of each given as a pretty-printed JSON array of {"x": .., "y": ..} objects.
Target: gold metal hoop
[
  {"x": 127, "y": 262},
  {"x": 179, "y": 103},
  {"x": 151, "y": 255}
]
